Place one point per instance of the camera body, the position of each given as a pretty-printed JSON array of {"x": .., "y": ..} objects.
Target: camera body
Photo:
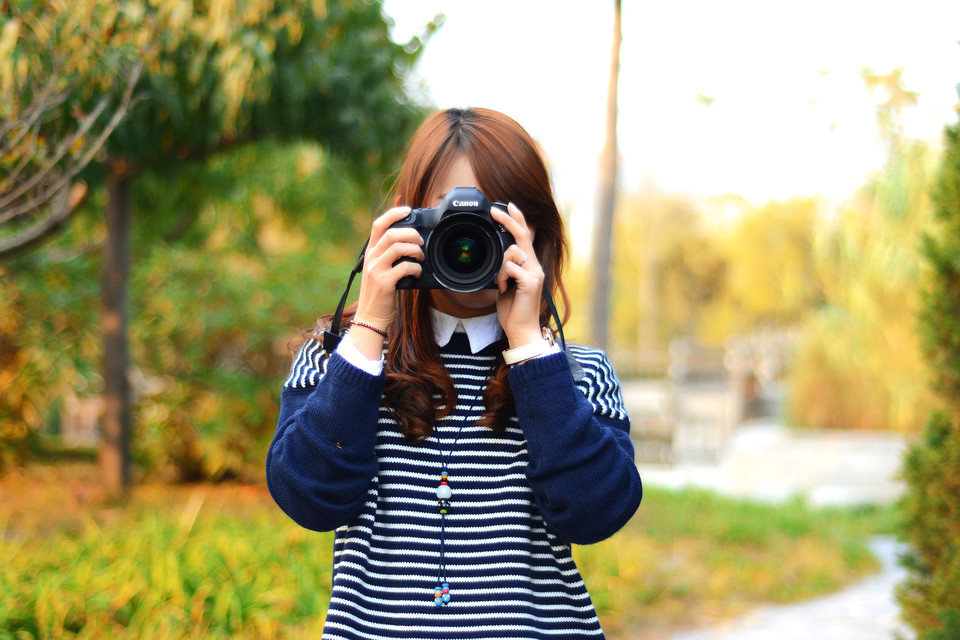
[{"x": 463, "y": 244}]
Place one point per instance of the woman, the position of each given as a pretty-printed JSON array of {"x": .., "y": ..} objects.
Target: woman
[{"x": 456, "y": 482}]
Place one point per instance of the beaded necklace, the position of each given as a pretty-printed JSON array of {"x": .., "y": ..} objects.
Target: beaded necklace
[{"x": 441, "y": 593}]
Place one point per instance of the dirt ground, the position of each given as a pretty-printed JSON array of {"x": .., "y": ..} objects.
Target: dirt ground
[{"x": 43, "y": 498}]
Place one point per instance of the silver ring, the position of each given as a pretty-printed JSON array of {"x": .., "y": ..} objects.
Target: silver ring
[{"x": 524, "y": 261}]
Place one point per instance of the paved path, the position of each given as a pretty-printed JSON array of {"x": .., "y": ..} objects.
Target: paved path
[
  {"x": 764, "y": 460},
  {"x": 864, "y": 611}
]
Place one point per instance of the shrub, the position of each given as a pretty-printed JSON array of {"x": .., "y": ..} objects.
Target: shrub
[{"x": 929, "y": 597}]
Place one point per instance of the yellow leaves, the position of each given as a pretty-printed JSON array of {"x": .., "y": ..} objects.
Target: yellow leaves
[
  {"x": 236, "y": 65},
  {"x": 309, "y": 159},
  {"x": 175, "y": 14},
  {"x": 319, "y": 8},
  {"x": 8, "y": 41},
  {"x": 273, "y": 234}
]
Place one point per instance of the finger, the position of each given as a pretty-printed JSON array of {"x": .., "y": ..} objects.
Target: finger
[
  {"x": 391, "y": 236},
  {"x": 525, "y": 276},
  {"x": 513, "y": 221},
  {"x": 381, "y": 224},
  {"x": 403, "y": 269},
  {"x": 399, "y": 250},
  {"x": 516, "y": 255}
]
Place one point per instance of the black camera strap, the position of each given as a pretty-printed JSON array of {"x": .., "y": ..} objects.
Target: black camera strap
[
  {"x": 575, "y": 367},
  {"x": 333, "y": 335}
]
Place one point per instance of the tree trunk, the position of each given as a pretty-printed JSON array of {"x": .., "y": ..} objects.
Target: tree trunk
[
  {"x": 116, "y": 422},
  {"x": 603, "y": 230}
]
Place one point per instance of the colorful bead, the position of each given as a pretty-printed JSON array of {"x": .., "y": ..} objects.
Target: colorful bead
[
  {"x": 444, "y": 492},
  {"x": 441, "y": 594}
]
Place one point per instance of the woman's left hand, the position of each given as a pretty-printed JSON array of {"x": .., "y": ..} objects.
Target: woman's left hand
[{"x": 518, "y": 306}]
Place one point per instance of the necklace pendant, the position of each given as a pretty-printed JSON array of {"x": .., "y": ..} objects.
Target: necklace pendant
[
  {"x": 441, "y": 594},
  {"x": 444, "y": 493}
]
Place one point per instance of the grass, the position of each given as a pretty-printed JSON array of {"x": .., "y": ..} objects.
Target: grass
[
  {"x": 217, "y": 561},
  {"x": 691, "y": 557}
]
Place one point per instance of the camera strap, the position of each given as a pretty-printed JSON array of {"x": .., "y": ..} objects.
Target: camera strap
[
  {"x": 333, "y": 335},
  {"x": 575, "y": 367}
]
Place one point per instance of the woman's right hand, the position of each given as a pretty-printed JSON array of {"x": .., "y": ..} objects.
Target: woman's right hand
[{"x": 377, "y": 305}]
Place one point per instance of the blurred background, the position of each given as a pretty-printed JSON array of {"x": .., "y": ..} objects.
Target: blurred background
[{"x": 752, "y": 194}]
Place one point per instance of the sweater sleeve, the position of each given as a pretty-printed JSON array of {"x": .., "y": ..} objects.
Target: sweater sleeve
[
  {"x": 322, "y": 460},
  {"x": 581, "y": 462}
]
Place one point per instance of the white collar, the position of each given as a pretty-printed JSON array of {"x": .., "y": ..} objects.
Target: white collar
[{"x": 482, "y": 331}]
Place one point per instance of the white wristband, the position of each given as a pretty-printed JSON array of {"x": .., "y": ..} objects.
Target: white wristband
[{"x": 527, "y": 351}]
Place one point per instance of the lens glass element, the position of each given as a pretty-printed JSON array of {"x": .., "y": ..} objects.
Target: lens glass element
[{"x": 465, "y": 252}]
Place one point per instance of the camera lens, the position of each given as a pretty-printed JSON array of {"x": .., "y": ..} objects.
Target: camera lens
[
  {"x": 463, "y": 254},
  {"x": 466, "y": 252}
]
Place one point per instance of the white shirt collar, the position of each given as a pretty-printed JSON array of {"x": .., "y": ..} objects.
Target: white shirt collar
[{"x": 482, "y": 331}]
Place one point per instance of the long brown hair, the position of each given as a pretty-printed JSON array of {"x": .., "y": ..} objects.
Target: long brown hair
[{"x": 509, "y": 168}]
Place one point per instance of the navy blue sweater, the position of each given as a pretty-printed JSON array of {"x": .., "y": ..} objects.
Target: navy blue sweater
[{"x": 562, "y": 472}]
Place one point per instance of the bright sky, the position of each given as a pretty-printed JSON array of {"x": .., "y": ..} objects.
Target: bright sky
[{"x": 790, "y": 114}]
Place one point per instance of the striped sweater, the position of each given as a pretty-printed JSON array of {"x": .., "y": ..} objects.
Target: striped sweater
[{"x": 562, "y": 472}]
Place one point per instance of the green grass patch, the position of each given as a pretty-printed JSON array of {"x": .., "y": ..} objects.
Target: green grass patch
[
  {"x": 691, "y": 556},
  {"x": 224, "y": 562}
]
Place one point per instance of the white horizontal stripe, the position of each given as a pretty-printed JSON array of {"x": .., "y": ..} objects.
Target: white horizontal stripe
[
  {"x": 429, "y": 561},
  {"x": 456, "y": 517},
  {"x": 465, "y": 629},
  {"x": 457, "y": 356},
  {"x": 557, "y": 549},
  {"x": 466, "y": 457},
  {"x": 463, "y": 365},
  {"x": 499, "y": 553},
  {"x": 431, "y": 504},
  {"x": 472, "y": 603},
  {"x": 396, "y": 473},
  {"x": 461, "y": 579},
  {"x": 515, "y": 492},
  {"x": 575, "y": 595},
  {"x": 459, "y": 520},
  {"x": 503, "y": 540},
  {"x": 474, "y": 617},
  {"x": 487, "y": 441}
]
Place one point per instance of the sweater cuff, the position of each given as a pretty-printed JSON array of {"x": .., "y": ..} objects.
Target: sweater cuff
[
  {"x": 545, "y": 366},
  {"x": 349, "y": 352}
]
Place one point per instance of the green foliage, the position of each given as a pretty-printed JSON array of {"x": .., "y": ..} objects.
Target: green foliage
[
  {"x": 233, "y": 248},
  {"x": 220, "y": 74},
  {"x": 224, "y": 562},
  {"x": 48, "y": 341},
  {"x": 929, "y": 597},
  {"x": 265, "y": 238},
  {"x": 691, "y": 553},
  {"x": 164, "y": 573}
]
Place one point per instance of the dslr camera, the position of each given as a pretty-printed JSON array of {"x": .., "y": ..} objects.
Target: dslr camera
[{"x": 463, "y": 244}]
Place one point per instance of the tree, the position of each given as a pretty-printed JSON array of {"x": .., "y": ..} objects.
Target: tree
[
  {"x": 929, "y": 597},
  {"x": 771, "y": 279},
  {"x": 669, "y": 269},
  {"x": 39, "y": 182},
  {"x": 603, "y": 230},
  {"x": 858, "y": 362},
  {"x": 215, "y": 76}
]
